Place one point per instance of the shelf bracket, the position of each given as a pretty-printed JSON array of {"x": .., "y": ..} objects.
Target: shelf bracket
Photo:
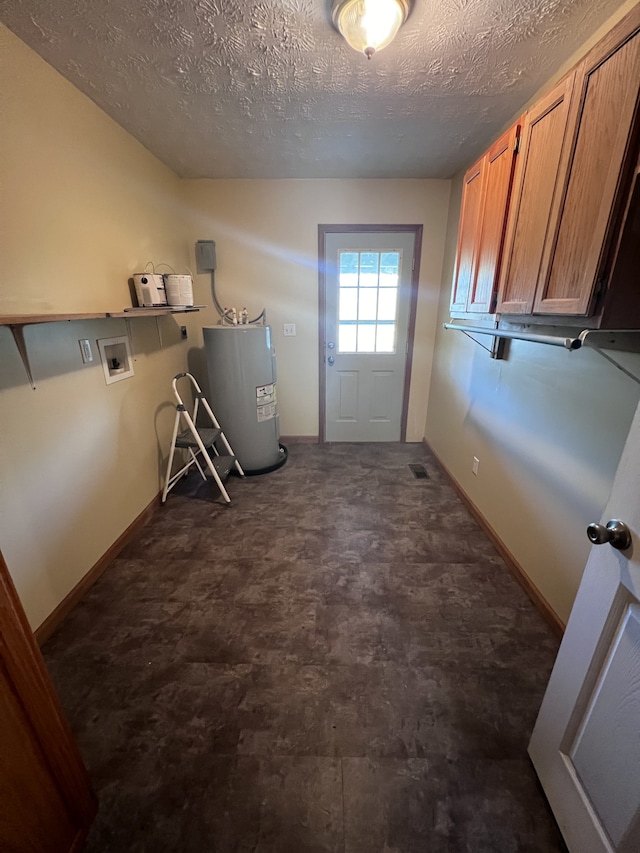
[
  {"x": 497, "y": 348},
  {"x": 127, "y": 326},
  {"x": 159, "y": 331},
  {"x": 622, "y": 340},
  {"x": 18, "y": 336}
]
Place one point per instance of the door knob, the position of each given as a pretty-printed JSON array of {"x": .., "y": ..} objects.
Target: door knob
[
  {"x": 616, "y": 533},
  {"x": 331, "y": 361}
]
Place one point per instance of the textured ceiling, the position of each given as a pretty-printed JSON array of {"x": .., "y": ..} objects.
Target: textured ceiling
[{"x": 268, "y": 89}]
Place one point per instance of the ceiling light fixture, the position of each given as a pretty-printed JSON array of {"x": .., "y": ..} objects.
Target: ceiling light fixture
[{"x": 369, "y": 25}]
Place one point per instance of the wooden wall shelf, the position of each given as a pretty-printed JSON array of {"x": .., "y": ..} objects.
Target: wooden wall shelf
[
  {"x": 29, "y": 319},
  {"x": 17, "y": 322},
  {"x": 33, "y": 319}
]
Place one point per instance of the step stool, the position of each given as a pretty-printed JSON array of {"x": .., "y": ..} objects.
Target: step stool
[{"x": 199, "y": 442}]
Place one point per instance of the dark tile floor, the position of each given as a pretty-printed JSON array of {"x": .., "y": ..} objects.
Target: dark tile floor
[{"x": 338, "y": 662}]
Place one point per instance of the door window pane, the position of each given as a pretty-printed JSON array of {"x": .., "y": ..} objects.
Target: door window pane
[
  {"x": 387, "y": 300},
  {"x": 348, "y": 279},
  {"x": 366, "y": 338},
  {"x": 369, "y": 269},
  {"x": 368, "y": 303},
  {"x": 385, "y": 338},
  {"x": 368, "y": 299},
  {"x": 348, "y": 303},
  {"x": 349, "y": 262},
  {"x": 389, "y": 269},
  {"x": 349, "y": 269},
  {"x": 347, "y": 337}
]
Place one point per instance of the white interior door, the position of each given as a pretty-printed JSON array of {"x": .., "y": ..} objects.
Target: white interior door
[
  {"x": 367, "y": 309},
  {"x": 586, "y": 743}
]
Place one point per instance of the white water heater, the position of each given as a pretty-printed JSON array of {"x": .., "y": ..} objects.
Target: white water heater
[{"x": 242, "y": 380}]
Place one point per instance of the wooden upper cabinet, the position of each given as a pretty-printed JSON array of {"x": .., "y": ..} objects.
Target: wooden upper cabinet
[
  {"x": 608, "y": 81},
  {"x": 483, "y": 217},
  {"x": 543, "y": 152},
  {"x": 572, "y": 184},
  {"x": 621, "y": 308},
  {"x": 467, "y": 236},
  {"x": 499, "y": 165}
]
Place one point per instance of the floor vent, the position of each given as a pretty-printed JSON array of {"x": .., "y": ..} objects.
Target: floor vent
[{"x": 419, "y": 471}]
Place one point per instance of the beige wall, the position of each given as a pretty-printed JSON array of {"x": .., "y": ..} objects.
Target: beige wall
[
  {"x": 83, "y": 207},
  {"x": 266, "y": 235},
  {"x": 548, "y": 427}
]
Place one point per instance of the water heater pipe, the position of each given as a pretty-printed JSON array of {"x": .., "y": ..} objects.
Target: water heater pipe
[{"x": 226, "y": 314}]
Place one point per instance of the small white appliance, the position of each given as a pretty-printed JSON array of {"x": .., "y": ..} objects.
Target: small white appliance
[{"x": 150, "y": 290}]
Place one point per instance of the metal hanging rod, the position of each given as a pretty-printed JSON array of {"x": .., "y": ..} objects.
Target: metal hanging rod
[
  {"x": 550, "y": 340},
  {"x": 622, "y": 340}
]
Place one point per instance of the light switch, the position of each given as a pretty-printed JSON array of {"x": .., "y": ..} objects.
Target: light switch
[
  {"x": 85, "y": 349},
  {"x": 289, "y": 330}
]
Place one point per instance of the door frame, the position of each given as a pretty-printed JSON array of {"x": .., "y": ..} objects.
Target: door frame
[
  {"x": 323, "y": 230},
  {"x": 53, "y": 746}
]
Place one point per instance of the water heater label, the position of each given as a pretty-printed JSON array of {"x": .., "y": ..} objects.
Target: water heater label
[
  {"x": 265, "y": 393},
  {"x": 266, "y": 402},
  {"x": 266, "y": 413}
]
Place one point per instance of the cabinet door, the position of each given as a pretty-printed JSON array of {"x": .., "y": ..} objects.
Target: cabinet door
[
  {"x": 470, "y": 212},
  {"x": 46, "y": 803},
  {"x": 608, "y": 82},
  {"x": 499, "y": 163},
  {"x": 543, "y": 157},
  {"x": 622, "y": 300}
]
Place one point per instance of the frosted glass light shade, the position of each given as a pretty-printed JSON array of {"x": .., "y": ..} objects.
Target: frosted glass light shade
[{"x": 369, "y": 25}]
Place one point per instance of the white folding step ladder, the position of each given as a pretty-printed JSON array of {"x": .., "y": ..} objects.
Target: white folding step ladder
[{"x": 199, "y": 441}]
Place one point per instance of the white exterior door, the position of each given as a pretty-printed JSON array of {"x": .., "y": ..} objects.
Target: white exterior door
[
  {"x": 367, "y": 309},
  {"x": 586, "y": 743}
]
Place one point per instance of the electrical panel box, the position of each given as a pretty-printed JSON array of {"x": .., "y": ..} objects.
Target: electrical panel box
[{"x": 205, "y": 255}]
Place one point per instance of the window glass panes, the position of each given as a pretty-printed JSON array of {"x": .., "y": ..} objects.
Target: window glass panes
[
  {"x": 369, "y": 263},
  {"x": 349, "y": 262},
  {"x": 349, "y": 269},
  {"x": 347, "y": 337},
  {"x": 348, "y": 279},
  {"x": 389, "y": 269},
  {"x": 348, "y": 303},
  {"x": 366, "y": 338},
  {"x": 369, "y": 269},
  {"x": 387, "y": 299},
  {"x": 385, "y": 338},
  {"x": 368, "y": 301}
]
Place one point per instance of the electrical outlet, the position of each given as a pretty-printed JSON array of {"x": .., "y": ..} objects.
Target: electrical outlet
[
  {"x": 475, "y": 466},
  {"x": 183, "y": 333},
  {"x": 85, "y": 349},
  {"x": 289, "y": 330}
]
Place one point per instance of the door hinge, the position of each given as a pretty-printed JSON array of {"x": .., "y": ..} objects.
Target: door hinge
[
  {"x": 599, "y": 289},
  {"x": 413, "y": 263}
]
